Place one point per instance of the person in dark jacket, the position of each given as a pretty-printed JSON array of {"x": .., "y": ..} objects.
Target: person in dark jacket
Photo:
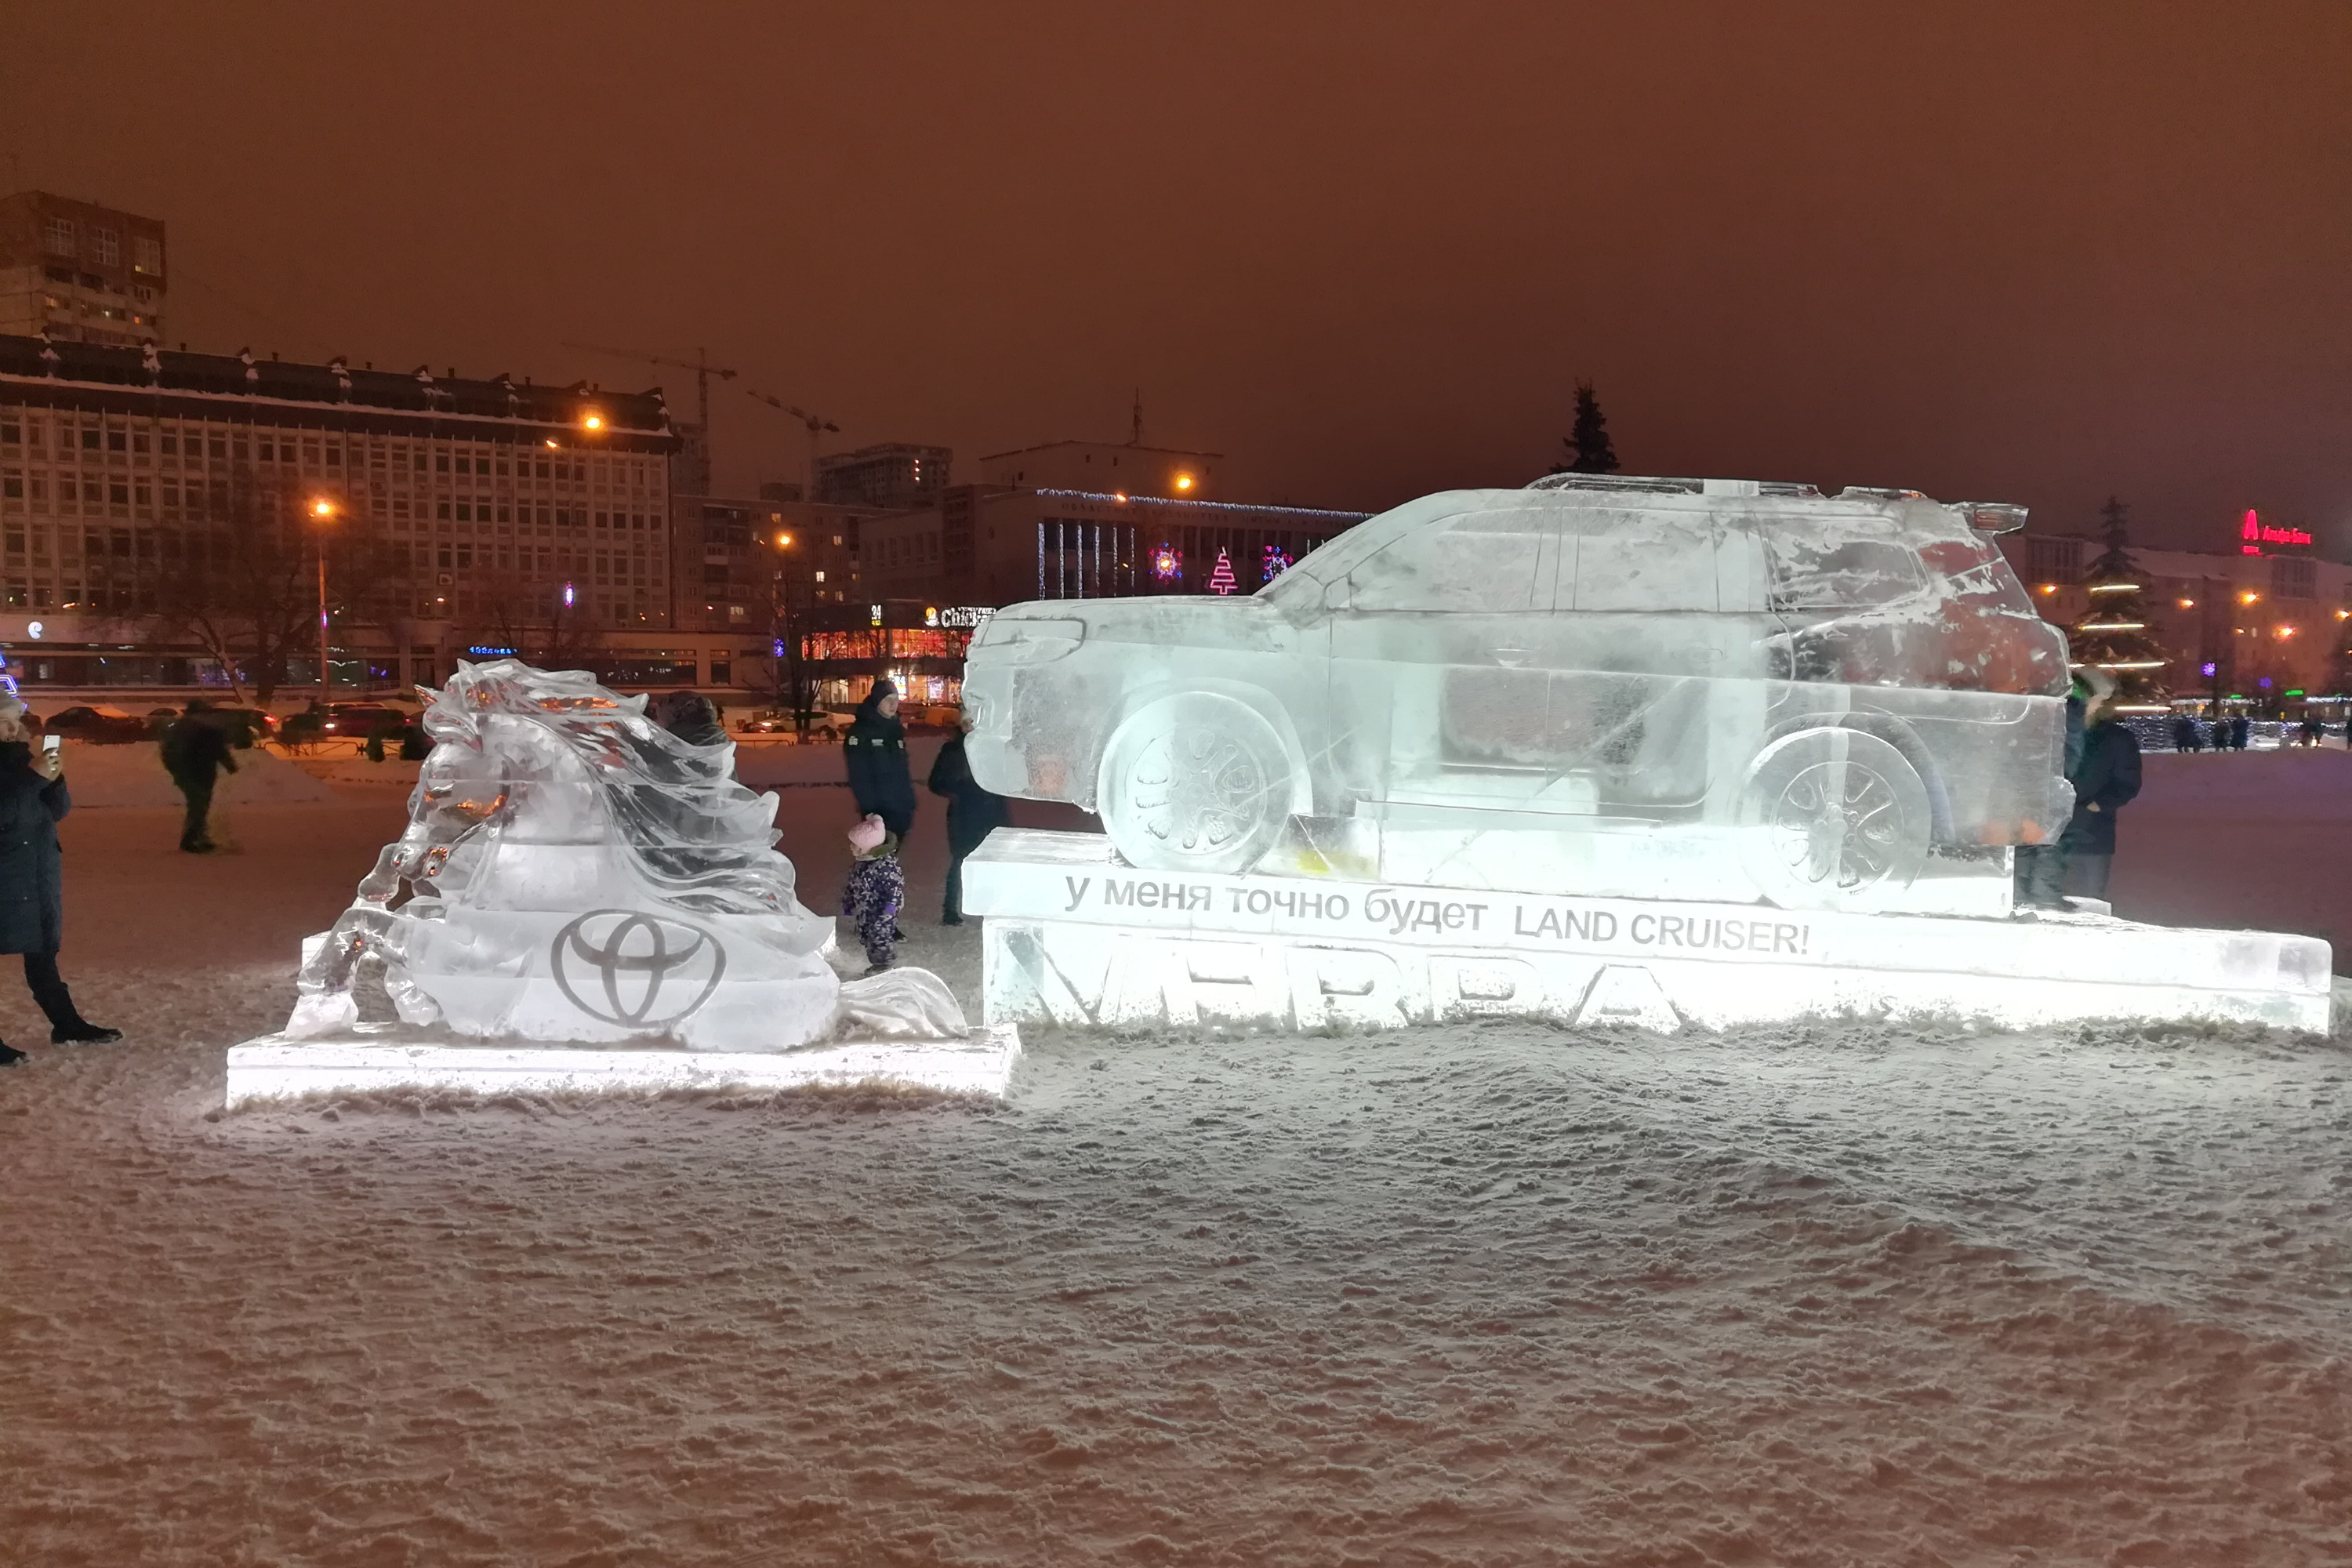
[
  {"x": 2106, "y": 781},
  {"x": 2185, "y": 737},
  {"x": 33, "y": 798},
  {"x": 2240, "y": 728},
  {"x": 194, "y": 749},
  {"x": 876, "y": 753},
  {"x": 973, "y": 815}
]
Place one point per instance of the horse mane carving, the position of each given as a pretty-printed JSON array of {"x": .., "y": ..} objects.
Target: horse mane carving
[{"x": 692, "y": 836}]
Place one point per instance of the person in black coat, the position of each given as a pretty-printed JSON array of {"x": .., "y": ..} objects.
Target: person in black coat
[
  {"x": 194, "y": 749},
  {"x": 973, "y": 815},
  {"x": 2106, "y": 781},
  {"x": 33, "y": 798},
  {"x": 874, "y": 751}
]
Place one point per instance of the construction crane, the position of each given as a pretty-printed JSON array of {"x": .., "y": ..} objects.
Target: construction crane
[
  {"x": 699, "y": 364},
  {"x": 815, "y": 425}
]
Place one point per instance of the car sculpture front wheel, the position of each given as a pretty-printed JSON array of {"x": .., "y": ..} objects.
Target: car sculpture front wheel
[
  {"x": 1196, "y": 781},
  {"x": 1833, "y": 819}
]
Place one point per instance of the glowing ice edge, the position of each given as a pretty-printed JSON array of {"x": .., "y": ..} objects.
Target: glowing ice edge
[
  {"x": 275, "y": 1068},
  {"x": 1074, "y": 936}
]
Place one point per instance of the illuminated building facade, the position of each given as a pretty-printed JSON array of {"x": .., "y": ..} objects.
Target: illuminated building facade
[
  {"x": 988, "y": 545},
  {"x": 2264, "y": 612},
  {"x": 464, "y": 514},
  {"x": 79, "y": 272},
  {"x": 1131, "y": 469}
]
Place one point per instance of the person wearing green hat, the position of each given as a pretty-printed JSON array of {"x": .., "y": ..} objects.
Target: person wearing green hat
[{"x": 2107, "y": 778}]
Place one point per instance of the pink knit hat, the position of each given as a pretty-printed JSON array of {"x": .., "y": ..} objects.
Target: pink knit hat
[{"x": 867, "y": 834}]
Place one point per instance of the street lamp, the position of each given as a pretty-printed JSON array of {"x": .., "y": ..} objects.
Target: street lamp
[
  {"x": 785, "y": 639},
  {"x": 323, "y": 513}
]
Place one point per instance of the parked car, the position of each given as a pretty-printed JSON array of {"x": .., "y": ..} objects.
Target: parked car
[
  {"x": 821, "y": 726},
  {"x": 1793, "y": 695},
  {"x": 245, "y": 725},
  {"x": 98, "y": 724},
  {"x": 357, "y": 720}
]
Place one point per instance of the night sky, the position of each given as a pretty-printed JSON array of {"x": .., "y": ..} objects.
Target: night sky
[{"x": 2033, "y": 252}]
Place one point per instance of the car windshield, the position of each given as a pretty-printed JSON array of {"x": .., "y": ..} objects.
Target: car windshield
[{"x": 1316, "y": 570}]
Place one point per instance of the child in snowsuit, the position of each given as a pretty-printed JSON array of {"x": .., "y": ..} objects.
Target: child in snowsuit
[{"x": 876, "y": 888}]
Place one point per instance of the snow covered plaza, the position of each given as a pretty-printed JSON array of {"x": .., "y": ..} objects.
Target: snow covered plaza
[{"x": 1476, "y": 1293}]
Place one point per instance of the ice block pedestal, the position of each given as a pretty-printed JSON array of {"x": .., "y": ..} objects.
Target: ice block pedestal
[
  {"x": 1074, "y": 936},
  {"x": 274, "y": 1067}
]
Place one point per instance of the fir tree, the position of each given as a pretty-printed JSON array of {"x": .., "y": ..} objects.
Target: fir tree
[
  {"x": 1587, "y": 445},
  {"x": 2113, "y": 630}
]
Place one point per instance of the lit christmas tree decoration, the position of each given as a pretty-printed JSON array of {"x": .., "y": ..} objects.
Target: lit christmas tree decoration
[
  {"x": 2113, "y": 633},
  {"x": 1222, "y": 580}
]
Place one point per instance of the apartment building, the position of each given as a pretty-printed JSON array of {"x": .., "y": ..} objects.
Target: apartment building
[
  {"x": 463, "y": 514},
  {"x": 990, "y": 545},
  {"x": 734, "y": 569},
  {"x": 891, "y": 477},
  {"x": 79, "y": 272}
]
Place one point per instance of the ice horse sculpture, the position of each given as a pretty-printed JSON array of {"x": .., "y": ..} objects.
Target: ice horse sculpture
[{"x": 574, "y": 872}]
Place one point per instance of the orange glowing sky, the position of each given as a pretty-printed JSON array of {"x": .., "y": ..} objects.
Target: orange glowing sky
[{"x": 2034, "y": 252}]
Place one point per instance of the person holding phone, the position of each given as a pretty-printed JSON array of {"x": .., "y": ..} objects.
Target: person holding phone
[{"x": 33, "y": 800}]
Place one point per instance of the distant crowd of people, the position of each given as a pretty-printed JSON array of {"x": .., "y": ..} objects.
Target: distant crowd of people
[
  {"x": 2191, "y": 734},
  {"x": 2230, "y": 734}
]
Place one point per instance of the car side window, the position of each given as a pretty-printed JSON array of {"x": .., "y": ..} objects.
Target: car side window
[
  {"x": 1483, "y": 563},
  {"x": 1645, "y": 561},
  {"x": 1844, "y": 575}
]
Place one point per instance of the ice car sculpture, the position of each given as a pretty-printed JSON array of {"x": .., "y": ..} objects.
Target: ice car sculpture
[
  {"x": 573, "y": 872},
  {"x": 1661, "y": 688}
]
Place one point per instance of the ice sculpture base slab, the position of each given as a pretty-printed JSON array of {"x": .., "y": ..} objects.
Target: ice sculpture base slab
[
  {"x": 274, "y": 1067},
  {"x": 1074, "y": 936}
]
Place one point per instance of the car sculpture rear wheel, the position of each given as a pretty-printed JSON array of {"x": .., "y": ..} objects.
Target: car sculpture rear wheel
[
  {"x": 1196, "y": 781},
  {"x": 1832, "y": 817}
]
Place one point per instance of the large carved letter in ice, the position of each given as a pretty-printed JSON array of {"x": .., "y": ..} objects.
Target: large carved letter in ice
[{"x": 572, "y": 871}]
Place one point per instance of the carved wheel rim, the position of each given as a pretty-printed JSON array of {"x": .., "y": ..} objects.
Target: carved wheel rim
[
  {"x": 1196, "y": 790},
  {"x": 1837, "y": 824}
]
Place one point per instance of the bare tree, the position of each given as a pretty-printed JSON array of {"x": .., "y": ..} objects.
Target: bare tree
[
  {"x": 241, "y": 586},
  {"x": 508, "y": 608}
]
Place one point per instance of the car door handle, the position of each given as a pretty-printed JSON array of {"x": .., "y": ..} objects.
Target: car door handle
[{"x": 1509, "y": 658}]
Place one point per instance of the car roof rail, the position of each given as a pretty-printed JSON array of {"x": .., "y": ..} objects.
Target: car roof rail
[
  {"x": 1623, "y": 483},
  {"x": 1644, "y": 484}
]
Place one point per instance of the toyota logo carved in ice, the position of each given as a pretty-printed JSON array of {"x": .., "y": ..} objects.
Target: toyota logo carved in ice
[{"x": 604, "y": 946}]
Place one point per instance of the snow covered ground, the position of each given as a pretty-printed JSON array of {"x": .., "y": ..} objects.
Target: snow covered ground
[{"x": 1818, "y": 1294}]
